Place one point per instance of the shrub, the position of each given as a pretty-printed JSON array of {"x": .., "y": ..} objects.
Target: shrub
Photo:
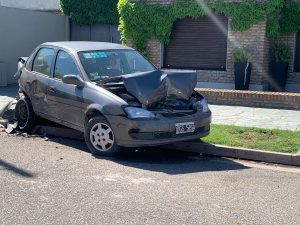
[
  {"x": 280, "y": 52},
  {"x": 241, "y": 55}
]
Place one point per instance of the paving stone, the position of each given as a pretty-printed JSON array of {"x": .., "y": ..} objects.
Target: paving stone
[{"x": 256, "y": 117}]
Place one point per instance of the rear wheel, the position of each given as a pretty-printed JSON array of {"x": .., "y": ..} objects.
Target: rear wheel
[
  {"x": 24, "y": 114},
  {"x": 100, "y": 138}
]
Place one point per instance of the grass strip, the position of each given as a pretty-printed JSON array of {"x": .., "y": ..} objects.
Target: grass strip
[{"x": 254, "y": 138}]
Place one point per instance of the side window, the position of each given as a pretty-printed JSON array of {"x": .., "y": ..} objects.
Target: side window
[
  {"x": 64, "y": 65},
  {"x": 42, "y": 61}
]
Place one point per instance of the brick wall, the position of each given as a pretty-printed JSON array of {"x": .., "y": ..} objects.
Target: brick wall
[
  {"x": 154, "y": 51},
  {"x": 252, "y": 98},
  {"x": 254, "y": 38}
]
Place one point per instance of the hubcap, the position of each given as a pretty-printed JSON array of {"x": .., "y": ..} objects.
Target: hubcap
[{"x": 102, "y": 137}]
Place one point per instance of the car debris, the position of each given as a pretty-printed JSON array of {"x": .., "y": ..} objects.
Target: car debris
[{"x": 11, "y": 128}]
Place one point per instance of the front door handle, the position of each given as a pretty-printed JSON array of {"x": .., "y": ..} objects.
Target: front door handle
[{"x": 51, "y": 90}]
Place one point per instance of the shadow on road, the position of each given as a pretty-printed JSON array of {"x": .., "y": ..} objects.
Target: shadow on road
[
  {"x": 18, "y": 171},
  {"x": 162, "y": 160},
  {"x": 175, "y": 162}
]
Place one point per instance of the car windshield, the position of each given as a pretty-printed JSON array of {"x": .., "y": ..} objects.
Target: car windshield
[{"x": 102, "y": 64}]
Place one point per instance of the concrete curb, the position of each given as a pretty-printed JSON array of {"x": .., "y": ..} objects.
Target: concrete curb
[{"x": 240, "y": 153}]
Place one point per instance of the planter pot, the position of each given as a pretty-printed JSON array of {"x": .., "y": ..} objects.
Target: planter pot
[
  {"x": 278, "y": 76},
  {"x": 242, "y": 73}
]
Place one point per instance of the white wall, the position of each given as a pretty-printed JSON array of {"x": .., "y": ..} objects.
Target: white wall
[
  {"x": 32, "y": 4},
  {"x": 21, "y": 31}
]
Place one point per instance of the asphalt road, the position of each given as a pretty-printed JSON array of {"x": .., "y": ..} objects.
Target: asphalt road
[{"x": 59, "y": 182}]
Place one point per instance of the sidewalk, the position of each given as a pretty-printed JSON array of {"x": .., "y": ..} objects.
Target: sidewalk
[
  {"x": 7, "y": 94},
  {"x": 256, "y": 117}
]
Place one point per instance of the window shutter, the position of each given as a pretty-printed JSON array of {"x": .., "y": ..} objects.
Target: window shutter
[{"x": 198, "y": 44}]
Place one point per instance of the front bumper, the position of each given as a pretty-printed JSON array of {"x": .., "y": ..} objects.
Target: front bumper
[{"x": 159, "y": 131}]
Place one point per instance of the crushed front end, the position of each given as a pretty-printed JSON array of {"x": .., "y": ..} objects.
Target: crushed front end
[{"x": 161, "y": 109}]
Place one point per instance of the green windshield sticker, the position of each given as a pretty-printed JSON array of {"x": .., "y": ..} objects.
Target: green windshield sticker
[
  {"x": 102, "y": 54},
  {"x": 94, "y": 55}
]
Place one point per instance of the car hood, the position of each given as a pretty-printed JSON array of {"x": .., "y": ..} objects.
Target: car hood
[{"x": 154, "y": 86}]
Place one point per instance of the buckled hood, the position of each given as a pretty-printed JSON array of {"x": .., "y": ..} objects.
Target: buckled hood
[{"x": 152, "y": 87}]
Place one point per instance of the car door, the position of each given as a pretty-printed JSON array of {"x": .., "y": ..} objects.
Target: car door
[
  {"x": 38, "y": 80},
  {"x": 66, "y": 101}
]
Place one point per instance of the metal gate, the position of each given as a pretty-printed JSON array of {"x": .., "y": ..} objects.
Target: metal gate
[{"x": 96, "y": 32}]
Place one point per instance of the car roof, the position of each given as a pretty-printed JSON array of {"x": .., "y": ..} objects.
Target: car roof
[{"x": 80, "y": 46}]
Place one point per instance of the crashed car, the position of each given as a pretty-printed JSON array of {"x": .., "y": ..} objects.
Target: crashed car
[{"x": 112, "y": 94}]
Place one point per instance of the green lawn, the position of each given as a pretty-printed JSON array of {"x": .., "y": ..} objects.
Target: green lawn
[{"x": 254, "y": 138}]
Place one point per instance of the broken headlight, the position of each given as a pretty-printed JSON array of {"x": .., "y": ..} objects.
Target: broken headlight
[
  {"x": 136, "y": 113},
  {"x": 201, "y": 106}
]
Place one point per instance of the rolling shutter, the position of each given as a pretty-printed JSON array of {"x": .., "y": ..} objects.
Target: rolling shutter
[
  {"x": 297, "y": 54},
  {"x": 198, "y": 44}
]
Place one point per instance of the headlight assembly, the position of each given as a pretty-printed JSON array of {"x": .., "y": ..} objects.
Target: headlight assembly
[
  {"x": 201, "y": 106},
  {"x": 135, "y": 113}
]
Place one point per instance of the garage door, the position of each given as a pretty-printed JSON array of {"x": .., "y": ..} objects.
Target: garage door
[
  {"x": 97, "y": 32},
  {"x": 297, "y": 54},
  {"x": 198, "y": 44}
]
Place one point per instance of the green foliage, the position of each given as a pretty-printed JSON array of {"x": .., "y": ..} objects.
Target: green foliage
[
  {"x": 141, "y": 22},
  {"x": 250, "y": 12},
  {"x": 280, "y": 52},
  {"x": 290, "y": 19},
  {"x": 91, "y": 11},
  {"x": 241, "y": 55},
  {"x": 243, "y": 14}
]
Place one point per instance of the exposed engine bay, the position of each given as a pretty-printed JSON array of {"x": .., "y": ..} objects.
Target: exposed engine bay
[{"x": 157, "y": 91}]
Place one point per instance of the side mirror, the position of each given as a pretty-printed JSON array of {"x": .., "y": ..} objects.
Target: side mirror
[{"x": 73, "y": 79}]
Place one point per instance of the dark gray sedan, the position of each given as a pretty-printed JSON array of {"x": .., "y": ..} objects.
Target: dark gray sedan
[{"x": 112, "y": 94}]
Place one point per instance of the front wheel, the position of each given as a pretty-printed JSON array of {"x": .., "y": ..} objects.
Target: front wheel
[{"x": 100, "y": 138}]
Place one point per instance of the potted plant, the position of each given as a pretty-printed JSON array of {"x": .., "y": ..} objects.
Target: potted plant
[
  {"x": 242, "y": 68},
  {"x": 280, "y": 53}
]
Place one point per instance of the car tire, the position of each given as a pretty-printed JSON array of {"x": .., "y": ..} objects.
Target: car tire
[
  {"x": 24, "y": 114},
  {"x": 100, "y": 138}
]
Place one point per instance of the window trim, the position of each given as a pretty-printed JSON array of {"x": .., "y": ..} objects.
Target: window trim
[
  {"x": 55, "y": 60},
  {"x": 36, "y": 53}
]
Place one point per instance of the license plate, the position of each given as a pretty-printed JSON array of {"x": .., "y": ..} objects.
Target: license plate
[{"x": 182, "y": 128}]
